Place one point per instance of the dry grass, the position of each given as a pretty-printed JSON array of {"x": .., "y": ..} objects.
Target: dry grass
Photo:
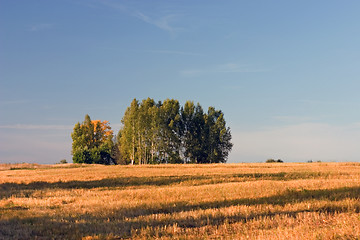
[{"x": 225, "y": 201}]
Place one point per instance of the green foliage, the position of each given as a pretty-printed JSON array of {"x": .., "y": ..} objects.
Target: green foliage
[
  {"x": 82, "y": 156},
  {"x": 274, "y": 161},
  {"x": 128, "y": 134},
  {"x": 63, "y": 161},
  {"x": 218, "y": 137},
  {"x": 164, "y": 132},
  {"x": 92, "y": 142}
]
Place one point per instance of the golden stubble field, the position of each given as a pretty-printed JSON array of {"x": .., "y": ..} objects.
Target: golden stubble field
[{"x": 224, "y": 201}]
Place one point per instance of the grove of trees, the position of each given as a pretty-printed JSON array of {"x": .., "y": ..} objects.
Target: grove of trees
[
  {"x": 93, "y": 142},
  {"x": 155, "y": 132}
]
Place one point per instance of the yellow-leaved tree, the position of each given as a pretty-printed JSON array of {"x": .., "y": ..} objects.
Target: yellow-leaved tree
[{"x": 92, "y": 142}]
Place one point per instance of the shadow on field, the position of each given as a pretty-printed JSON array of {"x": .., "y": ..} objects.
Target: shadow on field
[
  {"x": 289, "y": 197},
  {"x": 26, "y": 189},
  {"x": 126, "y": 222}
]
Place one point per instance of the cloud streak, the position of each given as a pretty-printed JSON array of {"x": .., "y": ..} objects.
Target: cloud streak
[
  {"x": 13, "y": 102},
  {"x": 223, "y": 68},
  {"x": 40, "y": 27},
  {"x": 175, "y": 52},
  {"x": 113, "y": 5},
  {"x": 162, "y": 23},
  {"x": 293, "y": 118},
  {"x": 36, "y": 127}
]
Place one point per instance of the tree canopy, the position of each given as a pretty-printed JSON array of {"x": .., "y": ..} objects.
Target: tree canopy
[
  {"x": 155, "y": 132},
  {"x": 92, "y": 142},
  {"x": 165, "y": 132}
]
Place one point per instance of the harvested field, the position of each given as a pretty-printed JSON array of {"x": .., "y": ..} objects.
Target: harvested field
[{"x": 223, "y": 201}]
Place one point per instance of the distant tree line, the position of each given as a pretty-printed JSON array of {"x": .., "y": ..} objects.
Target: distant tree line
[
  {"x": 270, "y": 160},
  {"x": 155, "y": 132}
]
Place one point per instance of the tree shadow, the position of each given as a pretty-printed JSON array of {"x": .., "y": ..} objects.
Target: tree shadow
[
  {"x": 19, "y": 189},
  {"x": 124, "y": 222},
  {"x": 25, "y": 189},
  {"x": 289, "y": 197}
]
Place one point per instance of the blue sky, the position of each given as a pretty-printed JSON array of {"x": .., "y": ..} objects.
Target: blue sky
[{"x": 285, "y": 73}]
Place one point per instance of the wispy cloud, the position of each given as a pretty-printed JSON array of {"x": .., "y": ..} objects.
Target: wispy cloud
[
  {"x": 97, "y": 4},
  {"x": 162, "y": 22},
  {"x": 13, "y": 102},
  {"x": 40, "y": 27},
  {"x": 289, "y": 118},
  {"x": 224, "y": 68},
  {"x": 323, "y": 102},
  {"x": 113, "y": 5},
  {"x": 175, "y": 52},
  {"x": 36, "y": 127}
]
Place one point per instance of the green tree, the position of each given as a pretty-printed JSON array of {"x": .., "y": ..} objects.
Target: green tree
[
  {"x": 92, "y": 142},
  {"x": 116, "y": 153},
  {"x": 129, "y": 132},
  {"x": 218, "y": 137},
  {"x": 154, "y": 135},
  {"x": 200, "y": 138},
  {"x": 186, "y": 130},
  {"x": 170, "y": 131},
  {"x": 145, "y": 131},
  {"x": 82, "y": 156},
  {"x": 63, "y": 161},
  {"x": 165, "y": 133}
]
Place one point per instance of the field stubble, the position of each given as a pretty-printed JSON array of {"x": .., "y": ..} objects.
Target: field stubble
[{"x": 224, "y": 201}]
